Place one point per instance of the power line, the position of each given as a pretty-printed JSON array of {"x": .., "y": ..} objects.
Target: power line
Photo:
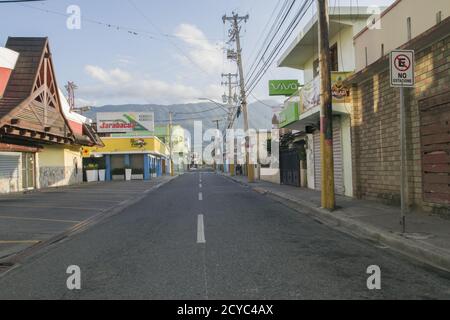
[
  {"x": 197, "y": 112},
  {"x": 263, "y": 32},
  {"x": 278, "y": 23},
  {"x": 262, "y": 102},
  {"x": 280, "y": 45},
  {"x": 113, "y": 26},
  {"x": 16, "y": 1},
  {"x": 162, "y": 33},
  {"x": 185, "y": 119}
]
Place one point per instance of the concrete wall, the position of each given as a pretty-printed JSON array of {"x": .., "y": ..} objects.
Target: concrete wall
[
  {"x": 270, "y": 175},
  {"x": 393, "y": 32},
  {"x": 58, "y": 165},
  {"x": 346, "y": 52}
]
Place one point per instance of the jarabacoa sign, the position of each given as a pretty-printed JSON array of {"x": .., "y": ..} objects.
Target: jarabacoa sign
[{"x": 123, "y": 122}]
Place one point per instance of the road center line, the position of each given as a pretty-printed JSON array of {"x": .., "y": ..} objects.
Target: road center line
[
  {"x": 200, "y": 186},
  {"x": 200, "y": 229},
  {"x": 200, "y": 196}
]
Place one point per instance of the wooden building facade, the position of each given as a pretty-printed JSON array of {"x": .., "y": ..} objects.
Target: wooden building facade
[{"x": 38, "y": 148}]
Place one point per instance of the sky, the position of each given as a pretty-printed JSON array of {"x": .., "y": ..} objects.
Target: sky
[{"x": 149, "y": 51}]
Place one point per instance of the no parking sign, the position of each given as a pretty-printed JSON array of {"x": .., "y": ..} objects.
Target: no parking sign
[
  {"x": 402, "y": 76},
  {"x": 402, "y": 68}
]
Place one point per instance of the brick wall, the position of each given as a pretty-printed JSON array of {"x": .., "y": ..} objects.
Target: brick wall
[{"x": 375, "y": 129}]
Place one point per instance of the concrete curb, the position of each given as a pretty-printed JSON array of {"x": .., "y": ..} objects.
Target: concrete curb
[
  {"x": 420, "y": 251},
  {"x": 18, "y": 257}
]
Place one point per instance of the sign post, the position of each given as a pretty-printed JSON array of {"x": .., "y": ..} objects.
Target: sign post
[{"x": 402, "y": 75}]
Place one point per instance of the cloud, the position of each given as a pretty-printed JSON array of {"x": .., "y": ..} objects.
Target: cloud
[
  {"x": 113, "y": 77},
  {"x": 125, "y": 60},
  {"x": 201, "y": 52},
  {"x": 119, "y": 86}
]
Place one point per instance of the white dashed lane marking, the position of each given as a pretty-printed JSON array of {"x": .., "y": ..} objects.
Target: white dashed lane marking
[{"x": 200, "y": 229}]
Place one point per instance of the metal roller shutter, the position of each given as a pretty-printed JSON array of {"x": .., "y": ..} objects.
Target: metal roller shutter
[
  {"x": 317, "y": 162},
  {"x": 9, "y": 165},
  {"x": 337, "y": 155}
]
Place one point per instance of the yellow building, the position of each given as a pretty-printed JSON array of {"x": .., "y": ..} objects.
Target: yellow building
[{"x": 145, "y": 156}]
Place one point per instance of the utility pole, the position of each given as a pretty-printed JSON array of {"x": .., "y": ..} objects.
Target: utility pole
[
  {"x": 230, "y": 85},
  {"x": 71, "y": 87},
  {"x": 217, "y": 126},
  {"x": 326, "y": 113},
  {"x": 235, "y": 36},
  {"x": 170, "y": 143}
]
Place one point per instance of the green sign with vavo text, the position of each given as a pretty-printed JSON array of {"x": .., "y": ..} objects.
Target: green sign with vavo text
[{"x": 283, "y": 87}]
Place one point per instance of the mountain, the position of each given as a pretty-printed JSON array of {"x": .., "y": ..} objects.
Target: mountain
[{"x": 260, "y": 114}]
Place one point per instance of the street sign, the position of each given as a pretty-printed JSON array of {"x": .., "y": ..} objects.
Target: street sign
[{"x": 402, "y": 68}]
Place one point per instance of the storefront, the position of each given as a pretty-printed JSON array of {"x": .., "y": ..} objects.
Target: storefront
[
  {"x": 146, "y": 157},
  {"x": 301, "y": 116}
]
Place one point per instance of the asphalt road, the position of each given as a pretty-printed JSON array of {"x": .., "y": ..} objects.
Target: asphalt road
[{"x": 226, "y": 243}]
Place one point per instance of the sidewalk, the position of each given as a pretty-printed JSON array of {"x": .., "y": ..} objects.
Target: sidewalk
[
  {"x": 427, "y": 238},
  {"x": 29, "y": 221}
]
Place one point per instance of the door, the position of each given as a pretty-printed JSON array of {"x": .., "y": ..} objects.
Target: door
[
  {"x": 28, "y": 171},
  {"x": 290, "y": 168},
  {"x": 435, "y": 144}
]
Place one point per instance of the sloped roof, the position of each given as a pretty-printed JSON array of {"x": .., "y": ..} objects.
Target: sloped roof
[
  {"x": 22, "y": 79},
  {"x": 20, "y": 84},
  {"x": 7, "y": 104}
]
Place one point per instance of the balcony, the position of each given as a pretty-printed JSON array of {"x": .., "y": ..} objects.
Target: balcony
[{"x": 303, "y": 108}]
